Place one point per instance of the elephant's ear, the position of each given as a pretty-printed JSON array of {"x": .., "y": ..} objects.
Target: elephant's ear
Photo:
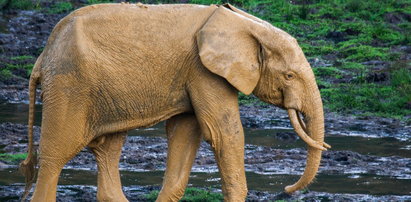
[{"x": 228, "y": 49}]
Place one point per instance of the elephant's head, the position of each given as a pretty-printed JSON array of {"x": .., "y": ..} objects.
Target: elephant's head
[{"x": 257, "y": 58}]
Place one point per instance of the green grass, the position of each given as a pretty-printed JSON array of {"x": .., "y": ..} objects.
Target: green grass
[
  {"x": 5, "y": 74},
  {"x": 27, "y": 67},
  {"x": 61, "y": 7},
  {"x": 192, "y": 195},
  {"x": 23, "y": 4},
  {"x": 22, "y": 57},
  {"x": 98, "y": 1},
  {"x": 386, "y": 101},
  {"x": 13, "y": 158},
  {"x": 327, "y": 72}
]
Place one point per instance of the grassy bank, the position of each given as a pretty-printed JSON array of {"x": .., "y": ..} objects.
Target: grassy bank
[{"x": 360, "y": 51}]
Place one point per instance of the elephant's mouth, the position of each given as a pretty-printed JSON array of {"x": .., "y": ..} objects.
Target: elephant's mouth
[{"x": 301, "y": 130}]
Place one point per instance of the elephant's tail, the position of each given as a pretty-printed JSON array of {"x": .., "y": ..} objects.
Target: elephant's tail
[{"x": 28, "y": 166}]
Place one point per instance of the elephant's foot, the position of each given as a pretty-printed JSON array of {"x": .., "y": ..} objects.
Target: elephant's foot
[{"x": 104, "y": 196}]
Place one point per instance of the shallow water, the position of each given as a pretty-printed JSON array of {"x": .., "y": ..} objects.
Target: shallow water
[
  {"x": 17, "y": 113},
  {"x": 362, "y": 183},
  {"x": 365, "y": 184}
]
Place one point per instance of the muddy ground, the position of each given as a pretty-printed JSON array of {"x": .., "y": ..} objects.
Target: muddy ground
[
  {"x": 149, "y": 154},
  {"x": 137, "y": 193}
]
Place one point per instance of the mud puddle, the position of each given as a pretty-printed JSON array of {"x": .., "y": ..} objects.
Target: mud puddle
[
  {"x": 279, "y": 137},
  {"x": 370, "y": 184}
]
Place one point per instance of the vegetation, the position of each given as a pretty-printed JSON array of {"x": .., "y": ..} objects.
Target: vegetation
[
  {"x": 61, "y": 7},
  {"x": 344, "y": 35},
  {"x": 192, "y": 195},
  {"x": 17, "y": 63},
  {"x": 13, "y": 158},
  {"x": 20, "y": 4}
]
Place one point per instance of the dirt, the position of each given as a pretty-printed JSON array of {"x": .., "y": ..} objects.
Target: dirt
[
  {"x": 151, "y": 156},
  {"x": 72, "y": 193}
]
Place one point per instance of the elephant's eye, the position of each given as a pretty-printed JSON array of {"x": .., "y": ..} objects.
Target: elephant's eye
[{"x": 289, "y": 76}]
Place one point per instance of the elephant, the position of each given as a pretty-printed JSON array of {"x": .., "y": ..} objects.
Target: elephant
[{"x": 110, "y": 68}]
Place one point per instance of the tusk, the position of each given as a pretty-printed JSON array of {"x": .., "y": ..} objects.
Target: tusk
[
  {"x": 300, "y": 132},
  {"x": 302, "y": 124}
]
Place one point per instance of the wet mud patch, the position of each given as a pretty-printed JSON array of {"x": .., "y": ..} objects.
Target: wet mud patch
[
  {"x": 72, "y": 193},
  {"x": 150, "y": 154}
]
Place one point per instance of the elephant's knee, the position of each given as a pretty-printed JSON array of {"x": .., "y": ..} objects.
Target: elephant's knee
[{"x": 97, "y": 142}]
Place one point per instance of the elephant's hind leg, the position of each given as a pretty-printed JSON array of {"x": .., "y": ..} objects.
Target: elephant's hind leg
[
  {"x": 184, "y": 136},
  {"x": 61, "y": 139},
  {"x": 107, "y": 150}
]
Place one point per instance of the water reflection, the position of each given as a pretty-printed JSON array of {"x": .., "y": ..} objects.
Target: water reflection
[
  {"x": 364, "y": 184},
  {"x": 17, "y": 113}
]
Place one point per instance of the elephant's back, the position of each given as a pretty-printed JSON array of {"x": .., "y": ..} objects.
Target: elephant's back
[{"x": 128, "y": 35}]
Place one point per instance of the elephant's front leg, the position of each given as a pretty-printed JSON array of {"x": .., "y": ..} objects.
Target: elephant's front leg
[
  {"x": 226, "y": 138},
  {"x": 184, "y": 137},
  {"x": 107, "y": 150},
  {"x": 216, "y": 108}
]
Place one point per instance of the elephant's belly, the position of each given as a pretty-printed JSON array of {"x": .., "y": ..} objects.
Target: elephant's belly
[{"x": 137, "y": 110}]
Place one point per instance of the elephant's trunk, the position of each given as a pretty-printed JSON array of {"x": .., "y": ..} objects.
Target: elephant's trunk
[{"x": 315, "y": 129}]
